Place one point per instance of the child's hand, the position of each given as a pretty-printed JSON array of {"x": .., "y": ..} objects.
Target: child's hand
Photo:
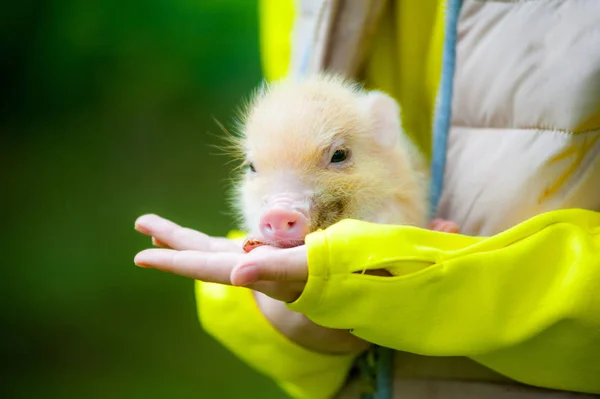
[{"x": 276, "y": 275}]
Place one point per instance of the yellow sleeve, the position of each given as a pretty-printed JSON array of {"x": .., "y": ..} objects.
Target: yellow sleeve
[
  {"x": 525, "y": 302},
  {"x": 231, "y": 316},
  {"x": 275, "y": 36}
]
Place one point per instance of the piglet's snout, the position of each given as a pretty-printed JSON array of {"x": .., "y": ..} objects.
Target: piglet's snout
[{"x": 279, "y": 224}]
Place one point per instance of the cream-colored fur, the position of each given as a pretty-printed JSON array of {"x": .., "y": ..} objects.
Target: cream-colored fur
[{"x": 287, "y": 131}]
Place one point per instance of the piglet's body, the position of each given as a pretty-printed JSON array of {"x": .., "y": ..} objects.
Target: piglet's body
[{"x": 319, "y": 150}]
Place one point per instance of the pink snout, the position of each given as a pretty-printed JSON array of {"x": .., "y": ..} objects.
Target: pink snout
[{"x": 283, "y": 226}]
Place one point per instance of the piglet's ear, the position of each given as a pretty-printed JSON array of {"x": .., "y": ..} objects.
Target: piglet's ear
[{"x": 385, "y": 116}]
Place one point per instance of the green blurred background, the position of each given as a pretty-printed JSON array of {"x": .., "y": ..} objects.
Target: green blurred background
[{"x": 106, "y": 114}]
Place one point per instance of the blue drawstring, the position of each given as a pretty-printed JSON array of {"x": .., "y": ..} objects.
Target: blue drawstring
[{"x": 444, "y": 105}]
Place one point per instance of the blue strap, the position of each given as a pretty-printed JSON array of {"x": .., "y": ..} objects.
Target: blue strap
[
  {"x": 375, "y": 371},
  {"x": 385, "y": 373},
  {"x": 443, "y": 113}
]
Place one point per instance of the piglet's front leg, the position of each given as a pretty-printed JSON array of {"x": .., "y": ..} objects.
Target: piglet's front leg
[{"x": 443, "y": 225}]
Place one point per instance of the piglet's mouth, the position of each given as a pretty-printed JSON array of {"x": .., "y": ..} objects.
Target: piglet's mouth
[{"x": 287, "y": 244}]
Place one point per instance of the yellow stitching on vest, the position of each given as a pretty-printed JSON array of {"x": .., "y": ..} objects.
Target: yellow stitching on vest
[
  {"x": 591, "y": 121},
  {"x": 579, "y": 156}
]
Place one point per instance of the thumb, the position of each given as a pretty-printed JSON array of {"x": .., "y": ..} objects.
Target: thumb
[{"x": 283, "y": 265}]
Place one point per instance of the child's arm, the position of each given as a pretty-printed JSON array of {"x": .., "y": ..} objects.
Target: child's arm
[{"x": 525, "y": 303}]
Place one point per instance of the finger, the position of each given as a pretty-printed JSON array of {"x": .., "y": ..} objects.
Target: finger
[
  {"x": 453, "y": 228},
  {"x": 204, "y": 266},
  {"x": 285, "y": 292},
  {"x": 177, "y": 237},
  {"x": 434, "y": 224},
  {"x": 448, "y": 227},
  {"x": 285, "y": 265},
  {"x": 443, "y": 225}
]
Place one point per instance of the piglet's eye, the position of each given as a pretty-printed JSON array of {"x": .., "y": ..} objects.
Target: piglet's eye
[
  {"x": 339, "y": 156},
  {"x": 251, "y": 167}
]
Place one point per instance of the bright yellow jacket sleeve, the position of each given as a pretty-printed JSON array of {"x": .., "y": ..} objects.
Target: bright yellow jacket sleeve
[
  {"x": 525, "y": 302},
  {"x": 231, "y": 315}
]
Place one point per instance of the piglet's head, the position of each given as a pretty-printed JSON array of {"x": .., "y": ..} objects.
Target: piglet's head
[{"x": 314, "y": 152}]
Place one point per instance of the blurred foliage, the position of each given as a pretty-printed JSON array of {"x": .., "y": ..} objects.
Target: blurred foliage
[{"x": 106, "y": 114}]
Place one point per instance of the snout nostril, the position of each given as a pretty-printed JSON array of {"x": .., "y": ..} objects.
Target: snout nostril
[{"x": 283, "y": 224}]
